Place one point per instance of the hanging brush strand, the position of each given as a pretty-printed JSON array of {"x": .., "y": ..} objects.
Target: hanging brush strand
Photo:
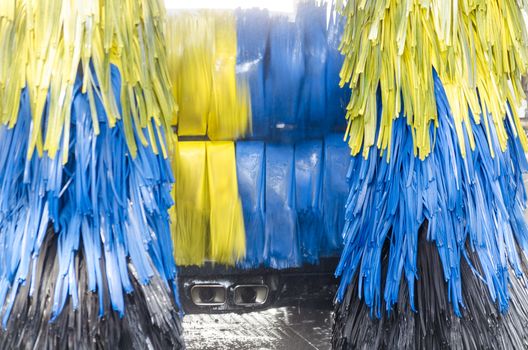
[
  {"x": 45, "y": 43},
  {"x": 87, "y": 86},
  {"x": 478, "y": 48}
]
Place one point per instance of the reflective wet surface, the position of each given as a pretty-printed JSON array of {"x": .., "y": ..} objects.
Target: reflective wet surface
[{"x": 284, "y": 328}]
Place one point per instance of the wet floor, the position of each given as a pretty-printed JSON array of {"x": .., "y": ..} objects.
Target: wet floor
[{"x": 284, "y": 328}]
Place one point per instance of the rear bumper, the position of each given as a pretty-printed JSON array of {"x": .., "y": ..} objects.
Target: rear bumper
[{"x": 218, "y": 289}]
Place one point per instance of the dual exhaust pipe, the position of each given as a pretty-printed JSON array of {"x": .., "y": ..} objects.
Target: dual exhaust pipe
[{"x": 213, "y": 294}]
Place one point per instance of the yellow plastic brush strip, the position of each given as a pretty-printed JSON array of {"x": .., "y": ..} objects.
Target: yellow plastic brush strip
[
  {"x": 479, "y": 49},
  {"x": 207, "y": 217},
  {"x": 227, "y": 243},
  {"x": 44, "y": 43},
  {"x": 228, "y": 116},
  {"x": 190, "y": 57},
  {"x": 191, "y": 209},
  {"x": 201, "y": 55}
]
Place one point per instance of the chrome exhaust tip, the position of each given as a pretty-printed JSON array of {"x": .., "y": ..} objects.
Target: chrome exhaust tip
[
  {"x": 208, "y": 294},
  {"x": 250, "y": 294}
]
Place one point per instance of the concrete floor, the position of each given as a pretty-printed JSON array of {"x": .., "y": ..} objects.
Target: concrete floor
[{"x": 284, "y": 328}]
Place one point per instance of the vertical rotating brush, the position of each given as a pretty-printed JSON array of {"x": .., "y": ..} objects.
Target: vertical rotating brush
[
  {"x": 435, "y": 239},
  {"x": 86, "y": 258}
]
